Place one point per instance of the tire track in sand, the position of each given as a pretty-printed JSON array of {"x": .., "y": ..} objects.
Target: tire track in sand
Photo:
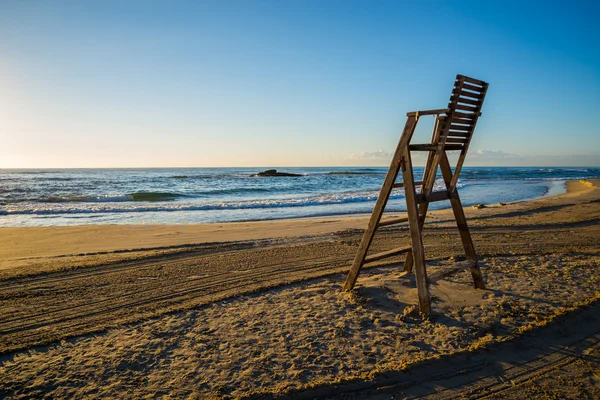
[{"x": 130, "y": 303}]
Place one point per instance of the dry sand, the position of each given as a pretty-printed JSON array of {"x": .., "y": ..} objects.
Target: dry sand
[
  {"x": 195, "y": 329},
  {"x": 31, "y": 245}
]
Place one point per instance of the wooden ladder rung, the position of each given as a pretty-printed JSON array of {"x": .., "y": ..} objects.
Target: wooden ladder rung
[
  {"x": 401, "y": 184},
  {"x": 387, "y": 254},
  {"x": 392, "y": 221},
  {"x": 435, "y": 196}
]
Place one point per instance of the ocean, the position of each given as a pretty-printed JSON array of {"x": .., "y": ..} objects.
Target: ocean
[{"x": 51, "y": 197}]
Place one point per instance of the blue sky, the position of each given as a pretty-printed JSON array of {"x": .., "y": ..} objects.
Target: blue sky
[{"x": 290, "y": 83}]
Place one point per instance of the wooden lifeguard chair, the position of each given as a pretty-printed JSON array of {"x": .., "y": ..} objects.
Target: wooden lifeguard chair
[{"x": 453, "y": 130}]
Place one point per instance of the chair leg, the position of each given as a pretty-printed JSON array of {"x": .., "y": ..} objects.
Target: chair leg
[
  {"x": 384, "y": 194},
  {"x": 367, "y": 237},
  {"x": 429, "y": 180},
  {"x": 418, "y": 252},
  {"x": 461, "y": 222},
  {"x": 409, "y": 260},
  {"x": 467, "y": 242}
]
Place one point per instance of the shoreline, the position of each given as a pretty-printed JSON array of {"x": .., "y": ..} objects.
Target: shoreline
[
  {"x": 27, "y": 245},
  {"x": 231, "y": 196}
]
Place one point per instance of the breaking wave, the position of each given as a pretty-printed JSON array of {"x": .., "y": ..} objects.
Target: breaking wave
[
  {"x": 137, "y": 196},
  {"x": 82, "y": 208}
]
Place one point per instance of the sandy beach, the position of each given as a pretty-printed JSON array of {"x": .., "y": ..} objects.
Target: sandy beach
[{"x": 255, "y": 309}]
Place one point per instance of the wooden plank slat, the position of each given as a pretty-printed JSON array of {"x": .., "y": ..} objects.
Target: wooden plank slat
[
  {"x": 386, "y": 254},
  {"x": 434, "y": 196},
  {"x": 401, "y": 184},
  {"x": 427, "y": 112},
  {"x": 457, "y": 140},
  {"x": 459, "y": 134},
  {"x": 457, "y": 127},
  {"x": 473, "y": 88},
  {"x": 471, "y": 80},
  {"x": 423, "y": 147},
  {"x": 466, "y": 108},
  {"x": 464, "y": 121},
  {"x": 459, "y": 93},
  {"x": 392, "y": 221},
  {"x": 465, "y": 100},
  {"x": 460, "y": 114},
  {"x": 454, "y": 127}
]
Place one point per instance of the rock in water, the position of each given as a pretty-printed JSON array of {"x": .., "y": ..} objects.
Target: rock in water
[{"x": 273, "y": 172}]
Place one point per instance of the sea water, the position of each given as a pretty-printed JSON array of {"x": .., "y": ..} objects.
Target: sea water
[{"x": 50, "y": 197}]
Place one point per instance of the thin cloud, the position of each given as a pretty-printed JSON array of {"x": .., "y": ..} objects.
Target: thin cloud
[
  {"x": 482, "y": 157},
  {"x": 372, "y": 155},
  {"x": 494, "y": 153}
]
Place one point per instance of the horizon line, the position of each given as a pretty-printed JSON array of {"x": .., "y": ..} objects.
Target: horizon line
[{"x": 298, "y": 166}]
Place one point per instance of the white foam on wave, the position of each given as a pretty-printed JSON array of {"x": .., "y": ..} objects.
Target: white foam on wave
[
  {"x": 119, "y": 207},
  {"x": 86, "y": 199}
]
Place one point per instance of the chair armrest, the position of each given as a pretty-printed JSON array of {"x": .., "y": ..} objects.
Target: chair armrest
[{"x": 427, "y": 112}]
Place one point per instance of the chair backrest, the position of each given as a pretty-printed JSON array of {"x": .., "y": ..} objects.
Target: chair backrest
[{"x": 464, "y": 109}]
